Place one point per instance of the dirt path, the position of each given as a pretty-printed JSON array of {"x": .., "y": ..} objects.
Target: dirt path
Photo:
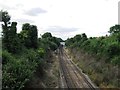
[{"x": 71, "y": 75}]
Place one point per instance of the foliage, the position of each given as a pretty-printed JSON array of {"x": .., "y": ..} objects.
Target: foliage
[
  {"x": 115, "y": 29},
  {"x": 29, "y": 35},
  {"x": 17, "y": 71},
  {"x": 108, "y": 46},
  {"x": 49, "y": 41},
  {"x": 10, "y": 39},
  {"x": 23, "y": 53},
  {"x": 5, "y": 17},
  {"x": 101, "y": 73},
  {"x": 47, "y": 35},
  {"x": 6, "y": 56},
  {"x": 41, "y": 52}
]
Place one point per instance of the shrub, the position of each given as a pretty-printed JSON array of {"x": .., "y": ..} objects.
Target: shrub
[
  {"x": 113, "y": 49},
  {"x": 17, "y": 71},
  {"x": 116, "y": 60},
  {"x": 6, "y": 57},
  {"x": 53, "y": 46},
  {"x": 41, "y": 52}
]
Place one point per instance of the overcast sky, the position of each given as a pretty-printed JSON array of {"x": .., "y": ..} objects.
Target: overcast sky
[{"x": 64, "y": 18}]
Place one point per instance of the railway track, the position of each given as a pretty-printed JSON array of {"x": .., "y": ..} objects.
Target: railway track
[{"x": 71, "y": 75}]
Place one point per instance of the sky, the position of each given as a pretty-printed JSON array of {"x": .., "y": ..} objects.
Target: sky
[{"x": 64, "y": 18}]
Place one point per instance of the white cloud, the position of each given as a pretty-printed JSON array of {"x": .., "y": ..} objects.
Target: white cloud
[
  {"x": 59, "y": 31},
  {"x": 23, "y": 20},
  {"x": 35, "y": 11},
  {"x": 94, "y": 17}
]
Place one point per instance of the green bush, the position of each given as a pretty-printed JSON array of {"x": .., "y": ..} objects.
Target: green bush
[
  {"x": 23, "y": 52},
  {"x": 107, "y": 46},
  {"x": 116, "y": 60},
  {"x": 6, "y": 57},
  {"x": 41, "y": 52},
  {"x": 17, "y": 71},
  {"x": 31, "y": 55},
  {"x": 113, "y": 49},
  {"x": 53, "y": 46}
]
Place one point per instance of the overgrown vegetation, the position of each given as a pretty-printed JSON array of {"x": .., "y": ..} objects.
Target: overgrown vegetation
[
  {"x": 24, "y": 52},
  {"x": 105, "y": 49}
]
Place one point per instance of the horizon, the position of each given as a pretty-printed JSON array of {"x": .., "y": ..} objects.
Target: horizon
[{"x": 64, "y": 19}]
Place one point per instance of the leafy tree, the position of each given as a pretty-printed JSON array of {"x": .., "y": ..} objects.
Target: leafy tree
[
  {"x": 56, "y": 41},
  {"x": 107, "y": 46},
  {"x": 113, "y": 49},
  {"x": 26, "y": 26},
  {"x": 25, "y": 35},
  {"x": 114, "y": 29},
  {"x": 29, "y": 35},
  {"x": 47, "y": 35},
  {"x": 14, "y": 44},
  {"x": 53, "y": 46},
  {"x": 50, "y": 42},
  {"x": 69, "y": 42},
  {"x": 34, "y": 36},
  {"x": 78, "y": 37},
  {"x": 5, "y": 17},
  {"x": 10, "y": 39},
  {"x": 84, "y": 36},
  {"x": 19, "y": 68}
]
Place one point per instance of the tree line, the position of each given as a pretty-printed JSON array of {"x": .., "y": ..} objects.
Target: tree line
[
  {"x": 107, "y": 46},
  {"x": 24, "y": 52},
  {"x": 98, "y": 57}
]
